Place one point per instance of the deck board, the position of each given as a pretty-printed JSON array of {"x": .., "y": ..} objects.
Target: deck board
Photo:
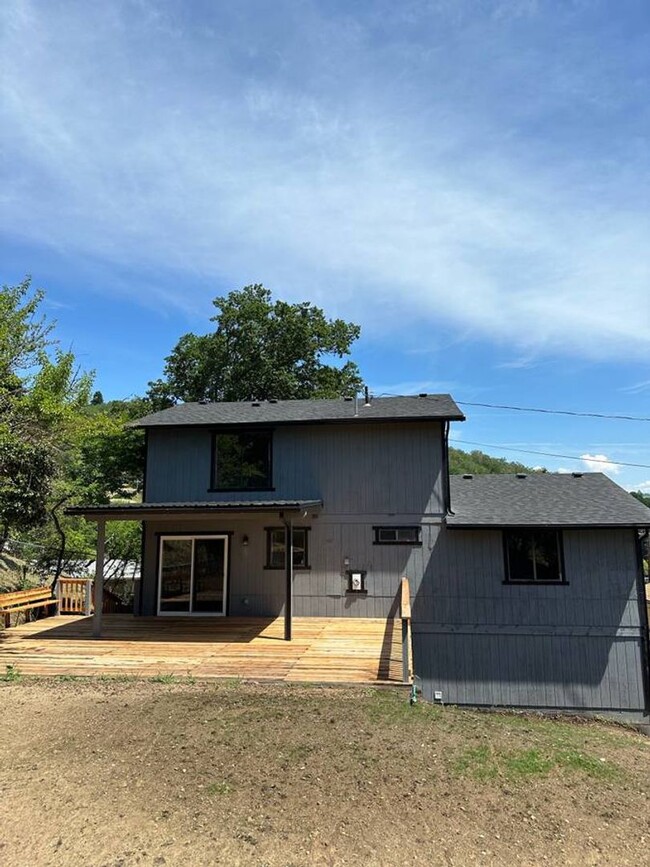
[{"x": 323, "y": 650}]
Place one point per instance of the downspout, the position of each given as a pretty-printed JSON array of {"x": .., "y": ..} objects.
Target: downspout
[
  {"x": 445, "y": 468},
  {"x": 643, "y": 616}
]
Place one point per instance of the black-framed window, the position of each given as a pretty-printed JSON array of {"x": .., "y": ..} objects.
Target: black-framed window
[
  {"x": 397, "y": 535},
  {"x": 276, "y": 551},
  {"x": 533, "y": 557},
  {"x": 242, "y": 461}
]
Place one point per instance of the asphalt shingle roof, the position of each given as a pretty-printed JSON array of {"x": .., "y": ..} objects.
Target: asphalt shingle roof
[
  {"x": 432, "y": 406},
  {"x": 543, "y": 499}
]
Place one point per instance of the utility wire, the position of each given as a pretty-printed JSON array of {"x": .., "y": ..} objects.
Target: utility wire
[
  {"x": 555, "y": 411},
  {"x": 548, "y": 454},
  {"x": 570, "y": 412}
]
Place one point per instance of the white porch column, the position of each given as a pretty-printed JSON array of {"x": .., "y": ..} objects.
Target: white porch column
[{"x": 99, "y": 577}]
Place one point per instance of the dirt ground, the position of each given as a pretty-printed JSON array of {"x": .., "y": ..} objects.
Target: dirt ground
[{"x": 121, "y": 773}]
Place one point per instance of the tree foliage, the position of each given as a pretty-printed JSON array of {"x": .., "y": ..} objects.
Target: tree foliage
[
  {"x": 260, "y": 349},
  {"x": 641, "y": 497},
  {"x": 477, "y": 462},
  {"x": 41, "y": 391}
]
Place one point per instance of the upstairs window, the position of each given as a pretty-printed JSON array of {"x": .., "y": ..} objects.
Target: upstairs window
[
  {"x": 533, "y": 557},
  {"x": 397, "y": 535},
  {"x": 242, "y": 461},
  {"x": 276, "y": 548}
]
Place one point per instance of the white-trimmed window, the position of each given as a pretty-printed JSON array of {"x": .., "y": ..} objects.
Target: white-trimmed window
[{"x": 193, "y": 574}]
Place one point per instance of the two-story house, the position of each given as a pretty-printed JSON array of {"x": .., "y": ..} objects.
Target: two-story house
[{"x": 527, "y": 590}]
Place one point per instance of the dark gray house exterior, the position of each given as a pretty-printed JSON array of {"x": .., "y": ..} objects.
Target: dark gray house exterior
[{"x": 527, "y": 592}]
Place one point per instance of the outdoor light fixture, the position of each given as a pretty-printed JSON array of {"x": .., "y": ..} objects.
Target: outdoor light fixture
[
  {"x": 244, "y": 540},
  {"x": 346, "y": 561}
]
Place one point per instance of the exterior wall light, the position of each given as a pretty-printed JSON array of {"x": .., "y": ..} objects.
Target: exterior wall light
[{"x": 244, "y": 540}]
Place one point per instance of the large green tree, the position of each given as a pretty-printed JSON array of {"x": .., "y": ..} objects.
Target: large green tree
[
  {"x": 260, "y": 349},
  {"x": 41, "y": 390}
]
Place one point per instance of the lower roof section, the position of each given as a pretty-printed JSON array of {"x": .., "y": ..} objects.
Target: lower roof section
[
  {"x": 543, "y": 500},
  {"x": 146, "y": 511}
]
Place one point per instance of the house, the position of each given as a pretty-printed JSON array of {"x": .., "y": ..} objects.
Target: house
[{"x": 527, "y": 590}]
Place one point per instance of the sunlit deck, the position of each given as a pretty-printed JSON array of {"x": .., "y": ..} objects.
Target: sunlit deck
[{"x": 323, "y": 650}]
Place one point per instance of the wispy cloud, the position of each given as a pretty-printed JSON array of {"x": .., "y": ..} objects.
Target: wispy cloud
[
  {"x": 599, "y": 464},
  {"x": 637, "y": 387},
  {"x": 342, "y": 158}
]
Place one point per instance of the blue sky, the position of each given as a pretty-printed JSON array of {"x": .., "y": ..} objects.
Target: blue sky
[{"x": 469, "y": 181}]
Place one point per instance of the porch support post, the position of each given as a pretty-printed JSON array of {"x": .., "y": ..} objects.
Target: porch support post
[
  {"x": 99, "y": 577},
  {"x": 288, "y": 602}
]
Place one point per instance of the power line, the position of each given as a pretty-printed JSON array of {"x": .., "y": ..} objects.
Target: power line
[
  {"x": 570, "y": 412},
  {"x": 550, "y": 454},
  {"x": 555, "y": 411}
]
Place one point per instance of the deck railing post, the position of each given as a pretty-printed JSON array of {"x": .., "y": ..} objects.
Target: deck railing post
[
  {"x": 99, "y": 577},
  {"x": 406, "y": 668},
  {"x": 88, "y": 598},
  {"x": 59, "y": 596}
]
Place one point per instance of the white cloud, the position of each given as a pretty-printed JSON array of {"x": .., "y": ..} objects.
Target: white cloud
[
  {"x": 599, "y": 464},
  {"x": 319, "y": 162},
  {"x": 644, "y": 487}
]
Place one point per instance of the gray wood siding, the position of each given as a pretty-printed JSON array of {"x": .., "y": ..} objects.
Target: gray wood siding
[
  {"x": 365, "y": 469},
  {"x": 481, "y": 641},
  {"x": 317, "y": 592}
]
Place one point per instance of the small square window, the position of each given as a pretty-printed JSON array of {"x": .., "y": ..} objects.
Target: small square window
[
  {"x": 533, "y": 557},
  {"x": 397, "y": 535},
  {"x": 276, "y": 550}
]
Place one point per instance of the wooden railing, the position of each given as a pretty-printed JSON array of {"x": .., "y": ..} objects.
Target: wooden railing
[
  {"x": 407, "y": 638},
  {"x": 76, "y": 597}
]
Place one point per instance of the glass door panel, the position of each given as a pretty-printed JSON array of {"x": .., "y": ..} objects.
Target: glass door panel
[
  {"x": 176, "y": 575},
  {"x": 208, "y": 594}
]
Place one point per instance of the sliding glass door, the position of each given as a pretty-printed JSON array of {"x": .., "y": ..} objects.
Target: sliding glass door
[{"x": 193, "y": 575}]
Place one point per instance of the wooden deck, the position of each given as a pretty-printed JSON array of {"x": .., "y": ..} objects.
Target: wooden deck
[{"x": 323, "y": 650}]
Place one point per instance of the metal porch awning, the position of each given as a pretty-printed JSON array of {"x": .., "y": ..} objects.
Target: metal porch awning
[{"x": 148, "y": 511}]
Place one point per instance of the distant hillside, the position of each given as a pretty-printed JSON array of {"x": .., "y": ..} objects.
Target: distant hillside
[{"x": 477, "y": 462}]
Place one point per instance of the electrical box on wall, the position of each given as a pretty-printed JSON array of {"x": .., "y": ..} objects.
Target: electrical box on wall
[{"x": 356, "y": 581}]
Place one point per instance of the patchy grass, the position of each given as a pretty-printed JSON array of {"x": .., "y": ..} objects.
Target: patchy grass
[
  {"x": 269, "y": 774},
  {"x": 172, "y": 678},
  {"x": 11, "y": 675},
  {"x": 220, "y": 788}
]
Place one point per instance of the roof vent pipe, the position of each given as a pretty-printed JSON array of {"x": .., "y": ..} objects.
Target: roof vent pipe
[
  {"x": 468, "y": 476},
  {"x": 577, "y": 475},
  {"x": 521, "y": 475},
  {"x": 367, "y": 396}
]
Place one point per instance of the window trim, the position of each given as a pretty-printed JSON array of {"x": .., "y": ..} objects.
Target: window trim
[
  {"x": 417, "y": 543},
  {"x": 193, "y": 536},
  {"x": 230, "y": 431},
  {"x": 559, "y": 537},
  {"x": 267, "y": 561}
]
